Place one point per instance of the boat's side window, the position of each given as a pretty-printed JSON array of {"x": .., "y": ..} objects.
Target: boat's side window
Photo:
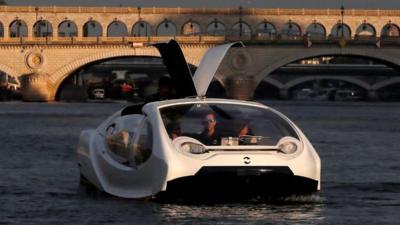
[
  {"x": 131, "y": 148},
  {"x": 142, "y": 145},
  {"x": 119, "y": 145},
  {"x": 110, "y": 130}
]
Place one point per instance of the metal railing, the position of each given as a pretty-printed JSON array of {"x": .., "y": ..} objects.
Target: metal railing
[
  {"x": 218, "y": 11},
  {"x": 200, "y": 39}
]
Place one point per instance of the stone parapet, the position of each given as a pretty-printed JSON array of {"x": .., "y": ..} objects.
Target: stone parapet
[{"x": 180, "y": 10}]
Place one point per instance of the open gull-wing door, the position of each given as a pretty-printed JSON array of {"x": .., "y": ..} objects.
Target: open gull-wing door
[
  {"x": 186, "y": 84},
  {"x": 177, "y": 68},
  {"x": 209, "y": 66}
]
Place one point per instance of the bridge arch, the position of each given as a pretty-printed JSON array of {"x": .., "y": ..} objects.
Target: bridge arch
[
  {"x": 291, "y": 30},
  {"x": 386, "y": 83},
  {"x": 351, "y": 80},
  {"x": 216, "y": 28},
  {"x": 390, "y": 30},
  {"x": 268, "y": 88},
  {"x": 67, "y": 28},
  {"x": 141, "y": 29},
  {"x": 341, "y": 30},
  {"x": 166, "y": 28},
  {"x": 266, "y": 29},
  {"x": 42, "y": 28},
  {"x": 63, "y": 73},
  {"x": 293, "y": 57},
  {"x": 1, "y": 29},
  {"x": 92, "y": 28},
  {"x": 273, "y": 82},
  {"x": 366, "y": 30},
  {"x": 191, "y": 27},
  {"x": 240, "y": 29},
  {"x": 18, "y": 28},
  {"x": 316, "y": 31},
  {"x": 117, "y": 29}
]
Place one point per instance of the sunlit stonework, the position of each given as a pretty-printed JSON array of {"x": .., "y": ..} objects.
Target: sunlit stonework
[
  {"x": 71, "y": 37},
  {"x": 34, "y": 60}
]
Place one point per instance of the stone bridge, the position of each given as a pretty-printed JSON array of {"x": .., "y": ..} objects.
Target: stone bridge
[
  {"x": 44, "y": 45},
  {"x": 58, "y": 22},
  {"x": 42, "y": 69}
]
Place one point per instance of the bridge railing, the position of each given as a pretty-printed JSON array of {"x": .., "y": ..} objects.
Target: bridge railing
[
  {"x": 277, "y": 39},
  {"x": 220, "y": 11}
]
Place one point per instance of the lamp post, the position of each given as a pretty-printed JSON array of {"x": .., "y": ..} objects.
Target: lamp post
[
  {"x": 47, "y": 28},
  {"x": 37, "y": 31},
  {"x": 191, "y": 32},
  {"x": 19, "y": 24},
  {"x": 342, "y": 24},
  {"x": 290, "y": 33},
  {"x": 389, "y": 29},
  {"x": 364, "y": 26},
  {"x": 141, "y": 25},
  {"x": 240, "y": 21},
  {"x": 166, "y": 25},
  {"x": 42, "y": 23},
  {"x": 215, "y": 26}
]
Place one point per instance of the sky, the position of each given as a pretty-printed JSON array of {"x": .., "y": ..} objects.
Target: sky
[{"x": 388, "y": 4}]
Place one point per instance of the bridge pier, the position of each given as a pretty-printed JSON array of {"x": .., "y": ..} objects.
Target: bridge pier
[
  {"x": 284, "y": 94},
  {"x": 240, "y": 87},
  {"x": 372, "y": 95},
  {"x": 36, "y": 87}
]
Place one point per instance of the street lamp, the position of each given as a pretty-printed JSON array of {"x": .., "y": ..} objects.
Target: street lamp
[
  {"x": 37, "y": 31},
  {"x": 191, "y": 30},
  {"x": 240, "y": 21},
  {"x": 215, "y": 24},
  {"x": 19, "y": 24},
  {"x": 364, "y": 25},
  {"x": 342, "y": 24},
  {"x": 166, "y": 23},
  {"x": 141, "y": 24},
  {"x": 139, "y": 12},
  {"x": 389, "y": 30},
  {"x": 44, "y": 24}
]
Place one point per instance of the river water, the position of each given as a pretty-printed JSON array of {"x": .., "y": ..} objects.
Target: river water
[{"x": 359, "y": 146}]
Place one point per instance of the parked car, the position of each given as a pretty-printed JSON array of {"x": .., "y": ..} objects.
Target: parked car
[
  {"x": 98, "y": 93},
  {"x": 348, "y": 95}
]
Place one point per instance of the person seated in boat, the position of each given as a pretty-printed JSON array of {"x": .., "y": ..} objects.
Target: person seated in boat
[
  {"x": 165, "y": 90},
  {"x": 174, "y": 130},
  {"x": 246, "y": 135},
  {"x": 245, "y": 130},
  {"x": 210, "y": 134}
]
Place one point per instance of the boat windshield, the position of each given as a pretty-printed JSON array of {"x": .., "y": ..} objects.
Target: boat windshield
[{"x": 226, "y": 124}]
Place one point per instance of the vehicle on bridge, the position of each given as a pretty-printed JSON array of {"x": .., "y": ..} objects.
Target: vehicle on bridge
[
  {"x": 198, "y": 147},
  {"x": 98, "y": 93},
  {"x": 348, "y": 95}
]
